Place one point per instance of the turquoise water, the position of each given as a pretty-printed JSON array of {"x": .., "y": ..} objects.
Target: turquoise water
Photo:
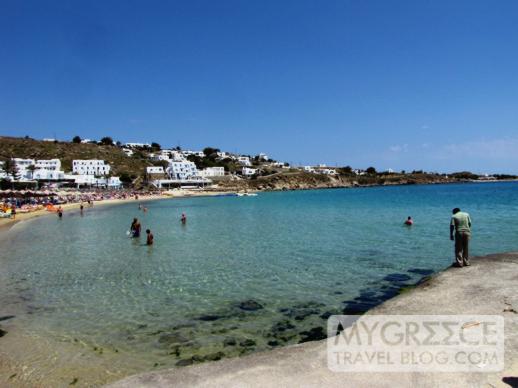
[{"x": 245, "y": 273}]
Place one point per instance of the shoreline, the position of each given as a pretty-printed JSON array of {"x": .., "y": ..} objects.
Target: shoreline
[
  {"x": 489, "y": 280},
  {"x": 7, "y": 223}
]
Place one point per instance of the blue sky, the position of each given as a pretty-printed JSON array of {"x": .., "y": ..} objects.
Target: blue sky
[{"x": 396, "y": 84}]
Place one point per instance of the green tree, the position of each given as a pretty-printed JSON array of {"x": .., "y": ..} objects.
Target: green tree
[
  {"x": 347, "y": 170},
  {"x": 76, "y": 140},
  {"x": 12, "y": 171},
  {"x": 126, "y": 178},
  {"x": 155, "y": 146},
  {"x": 107, "y": 141},
  {"x": 210, "y": 151},
  {"x": 371, "y": 171}
]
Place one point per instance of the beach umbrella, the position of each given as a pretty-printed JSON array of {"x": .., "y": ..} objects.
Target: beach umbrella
[{"x": 11, "y": 194}]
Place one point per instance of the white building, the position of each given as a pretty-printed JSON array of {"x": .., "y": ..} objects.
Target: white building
[
  {"x": 48, "y": 164},
  {"x": 113, "y": 182},
  {"x": 326, "y": 171},
  {"x": 48, "y": 175},
  {"x": 90, "y": 167},
  {"x": 91, "y": 180},
  {"x": 186, "y": 153},
  {"x": 84, "y": 141},
  {"x": 168, "y": 155},
  {"x": 244, "y": 160},
  {"x": 22, "y": 166},
  {"x": 225, "y": 155},
  {"x": 246, "y": 171},
  {"x": 44, "y": 169},
  {"x": 308, "y": 169},
  {"x": 263, "y": 156},
  {"x": 182, "y": 170},
  {"x": 155, "y": 170},
  {"x": 127, "y": 151},
  {"x": 138, "y": 145},
  {"x": 212, "y": 172}
]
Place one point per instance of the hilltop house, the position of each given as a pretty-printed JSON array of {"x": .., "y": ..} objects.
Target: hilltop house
[
  {"x": 246, "y": 171},
  {"x": 138, "y": 145},
  {"x": 155, "y": 170},
  {"x": 244, "y": 161}
]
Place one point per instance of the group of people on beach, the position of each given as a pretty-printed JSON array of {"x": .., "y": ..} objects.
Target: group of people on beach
[
  {"x": 136, "y": 227},
  {"x": 460, "y": 232}
]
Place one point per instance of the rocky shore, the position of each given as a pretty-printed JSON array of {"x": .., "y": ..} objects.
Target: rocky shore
[{"x": 487, "y": 287}]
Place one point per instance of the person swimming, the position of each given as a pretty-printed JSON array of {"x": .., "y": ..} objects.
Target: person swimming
[
  {"x": 60, "y": 212},
  {"x": 409, "y": 221},
  {"x": 183, "y": 219},
  {"x": 135, "y": 228},
  {"x": 149, "y": 238}
]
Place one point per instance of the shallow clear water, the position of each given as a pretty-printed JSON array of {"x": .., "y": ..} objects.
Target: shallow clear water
[{"x": 297, "y": 254}]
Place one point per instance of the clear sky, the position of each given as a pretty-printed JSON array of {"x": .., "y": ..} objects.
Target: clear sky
[{"x": 396, "y": 84}]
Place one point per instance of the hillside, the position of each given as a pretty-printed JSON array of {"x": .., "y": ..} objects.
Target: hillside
[
  {"x": 294, "y": 180},
  {"x": 121, "y": 164}
]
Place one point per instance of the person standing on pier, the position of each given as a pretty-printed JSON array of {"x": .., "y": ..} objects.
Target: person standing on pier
[{"x": 461, "y": 225}]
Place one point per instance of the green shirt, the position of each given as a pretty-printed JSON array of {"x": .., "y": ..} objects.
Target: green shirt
[{"x": 462, "y": 222}]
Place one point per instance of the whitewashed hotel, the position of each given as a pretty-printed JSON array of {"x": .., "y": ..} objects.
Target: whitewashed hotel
[
  {"x": 90, "y": 167},
  {"x": 182, "y": 170},
  {"x": 42, "y": 169}
]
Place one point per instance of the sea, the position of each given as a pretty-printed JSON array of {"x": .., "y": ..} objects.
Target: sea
[{"x": 244, "y": 274}]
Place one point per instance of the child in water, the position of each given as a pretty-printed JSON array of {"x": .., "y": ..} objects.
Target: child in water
[
  {"x": 409, "y": 221},
  {"x": 149, "y": 239},
  {"x": 183, "y": 219}
]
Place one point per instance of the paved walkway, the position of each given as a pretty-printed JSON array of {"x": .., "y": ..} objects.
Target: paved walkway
[{"x": 489, "y": 286}]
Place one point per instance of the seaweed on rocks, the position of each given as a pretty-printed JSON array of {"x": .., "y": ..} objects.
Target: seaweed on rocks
[
  {"x": 314, "y": 334},
  {"x": 250, "y": 305}
]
